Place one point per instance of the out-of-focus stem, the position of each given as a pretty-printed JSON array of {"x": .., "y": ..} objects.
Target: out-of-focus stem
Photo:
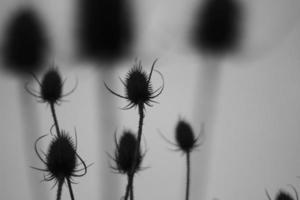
[
  {"x": 30, "y": 121},
  {"x": 109, "y": 122},
  {"x": 204, "y": 108}
]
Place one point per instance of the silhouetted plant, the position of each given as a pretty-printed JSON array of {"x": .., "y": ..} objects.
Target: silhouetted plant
[
  {"x": 283, "y": 195},
  {"x": 61, "y": 162},
  {"x": 139, "y": 93},
  {"x": 186, "y": 142},
  {"x": 51, "y": 91},
  {"x": 124, "y": 156},
  {"x": 25, "y": 43}
]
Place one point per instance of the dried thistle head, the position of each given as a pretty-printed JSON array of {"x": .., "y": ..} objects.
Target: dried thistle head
[
  {"x": 51, "y": 87},
  {"x": 125, "y": 153},
  {"x": 283, "y": 195},
  {"x": 185, "y": 139},
  {"x": 61, "y": 159},
  {"x": 138, "y": 87}
]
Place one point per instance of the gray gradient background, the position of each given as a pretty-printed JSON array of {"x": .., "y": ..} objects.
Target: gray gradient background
[{"x": 250, "y": 104}]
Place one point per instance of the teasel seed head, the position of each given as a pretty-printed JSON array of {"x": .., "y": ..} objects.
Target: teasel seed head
[
  {"x": 138, "y": 87},
  {"x": 124, "y": 153},
  {"x": 184, "y": 135},
  {"x": 51, "y": 86},
  {"x": 61, "y": 159},
  {"x": 283, "y": 195}
]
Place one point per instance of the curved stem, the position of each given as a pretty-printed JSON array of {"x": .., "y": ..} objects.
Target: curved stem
[
  {"x": 70, "y": 189},
  {"x": 59, "y": 189},
  {"x": 140, "y": 130},
  {"x": 55, "y": 118},
  {"x": 188, "y": 166}
]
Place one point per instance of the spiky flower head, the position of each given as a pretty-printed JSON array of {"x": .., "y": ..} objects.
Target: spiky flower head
[
  {"x": 61, "y": 159},
  {"x": 51, "y": 86},
  {"x": 125, "y": 153},
  {"x": 283, "y": 195},
  {"x": 185, "y": 137},
  {"x": 138, "y": 87}
]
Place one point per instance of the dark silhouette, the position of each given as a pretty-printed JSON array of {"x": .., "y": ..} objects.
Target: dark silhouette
[
  {"x": 186, "y": 142},
  {"x": 61, "y": 162},
  {"x": 138, "y": 87},
  {"x": 105, "y": 29},
  {"x": 217, "y": 28},
  {"x": 125, "y": 157},
  {"x": 283, "y": 195},
  {"x": 25, "y": 43},
  {"x": 124, "y": 153},
  {"x": 51, "y": 89},
  {"x": 139, "y": 93}
]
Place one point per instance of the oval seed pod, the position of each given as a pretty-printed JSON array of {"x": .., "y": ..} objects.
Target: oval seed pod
[
  {"x": 25, "y": 42},
  {"x": 218, "y": 26},
  {"x": 138, "y": 87},
  {"x": 124, "y": 153},
  {"x": 61, "y": 157},
  {"x": 284, "y": 196},
  {"x": 51, "y": 86},
  {"x": 184, "y": 136},
  {"x": 61, "y": 161},
  {"x": 105, "y": 29}
]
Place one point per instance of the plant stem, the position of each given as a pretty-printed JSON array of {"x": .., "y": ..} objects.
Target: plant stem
[
  {"x": 70, "y": 189},
  {"x": 54, "y": 118},
  {"x": 188, "y": 166},
  {"x": 137, "y": 148},
  {"x": 131, "y": 192},
  {"x": 59, "y": 189}
]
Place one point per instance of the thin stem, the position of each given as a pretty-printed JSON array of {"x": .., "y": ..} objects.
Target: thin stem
[
  {"x": 70, "y": 189},
  {"x": 188, "y": 166},
  {"x": 55, "y": 118},
  {"x": 131, "y": 192},
  {"x": 140, "y": 130},
  {"x": 59, "y": 189},
  {"x": 130, "y": 189}
]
